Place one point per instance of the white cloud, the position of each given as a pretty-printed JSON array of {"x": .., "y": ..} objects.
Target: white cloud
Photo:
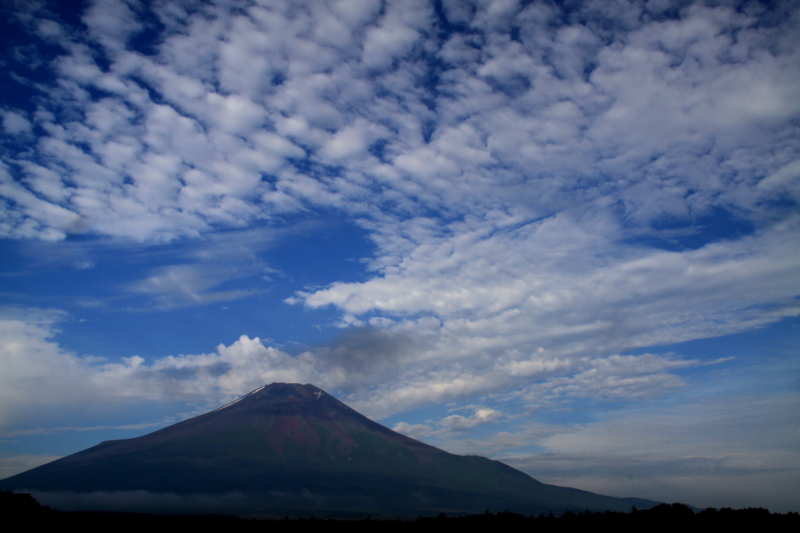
[
  {"x": 448, "y": 425},
  {"x": 390, "y": 40},
  {"x": 38, "y": 374},
  {"x": 113, "y": 21},
  {"x": 351, "y": 141},
  {"x": 415, "y": 431},
  {"x": 35, "y": 371},
  {"x": 15, "y": 124},
  {"x": 462, "y": 423}
]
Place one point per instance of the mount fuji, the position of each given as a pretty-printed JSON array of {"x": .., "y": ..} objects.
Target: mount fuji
[{"x": 287, "y": 448}]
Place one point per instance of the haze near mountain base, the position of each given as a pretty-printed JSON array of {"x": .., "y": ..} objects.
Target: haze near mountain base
[{"x": 291, "y": 449}]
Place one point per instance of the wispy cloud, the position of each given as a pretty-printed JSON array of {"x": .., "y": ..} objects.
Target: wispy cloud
[{"x": 182, "y": 285}]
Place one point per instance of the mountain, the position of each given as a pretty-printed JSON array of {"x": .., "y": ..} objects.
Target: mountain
[{"x": 294, "y": 449}]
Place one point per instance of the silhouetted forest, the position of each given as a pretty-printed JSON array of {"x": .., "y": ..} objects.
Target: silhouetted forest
[{"x": 23, "y": 507}]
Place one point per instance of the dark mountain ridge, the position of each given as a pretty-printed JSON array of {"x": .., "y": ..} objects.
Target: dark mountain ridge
[{"x": 292, "y": 448}]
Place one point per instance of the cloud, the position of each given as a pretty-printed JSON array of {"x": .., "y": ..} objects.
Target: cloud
[
  {"x": 274, "y": 503},
  {"x": 646, "y": 118},
  {"x": 367, "y": 354},
  {"x": 375, "y": 371},
  {"x": 461, "y": 423},
  {"x": 734, "y": 452},
  {"x": 448, "y": 425},
  {"x": 140, "y": 501},
  {"x": 15, "y": 124},
  {"x": 561, "y": 178},
  {"x": 712, "y": 450},
  {"x": 494, "y": 308},
  {"x": 396, "y": 33},
  {"x": 629, "y": 377},
  {"x": 35, "y": 371},
  {"x": 13, "y": 464},
  {"x": 35, "y": 368},
  {"x": 112, "y": 22},
  {"x": 184, "y": 285},
  {"x": 38, "y": 373},
  {"x": 202, "y": 269},
  {"x": 416, "y": 431}
]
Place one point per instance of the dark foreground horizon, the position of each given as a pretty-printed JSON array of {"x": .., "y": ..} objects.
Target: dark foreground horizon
[
  {"x": 293, "y": 450},
  {"x": 25, "y": 507}
]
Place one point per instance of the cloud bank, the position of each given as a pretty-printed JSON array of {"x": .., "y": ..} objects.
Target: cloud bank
[{"x": 359, "y": 366}]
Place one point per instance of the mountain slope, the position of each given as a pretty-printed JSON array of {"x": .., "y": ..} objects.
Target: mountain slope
[{"x": 295, "y": 447}]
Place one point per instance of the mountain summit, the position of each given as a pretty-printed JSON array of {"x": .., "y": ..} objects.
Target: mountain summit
[{"x": 288, "y": 448}]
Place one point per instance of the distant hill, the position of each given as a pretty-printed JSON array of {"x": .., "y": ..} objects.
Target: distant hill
[{"x": 294, "y": 449}]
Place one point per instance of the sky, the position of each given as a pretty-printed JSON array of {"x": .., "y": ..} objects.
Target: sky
[{"x": 563, "y": 235}]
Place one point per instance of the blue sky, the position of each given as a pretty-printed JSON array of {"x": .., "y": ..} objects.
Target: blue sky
[{"x": 562, "y": 235}]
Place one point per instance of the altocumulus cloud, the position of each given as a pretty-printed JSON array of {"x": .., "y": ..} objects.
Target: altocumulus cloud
[{"x": 548, "y": 188}]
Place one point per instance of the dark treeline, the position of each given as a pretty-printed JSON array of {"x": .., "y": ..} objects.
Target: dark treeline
[{"x": 25, "y": 507}]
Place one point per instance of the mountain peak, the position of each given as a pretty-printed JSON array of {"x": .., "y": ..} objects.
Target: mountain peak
[
  {"x": 285, "y": 407},
  {"x": 275, "y": 391}
]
